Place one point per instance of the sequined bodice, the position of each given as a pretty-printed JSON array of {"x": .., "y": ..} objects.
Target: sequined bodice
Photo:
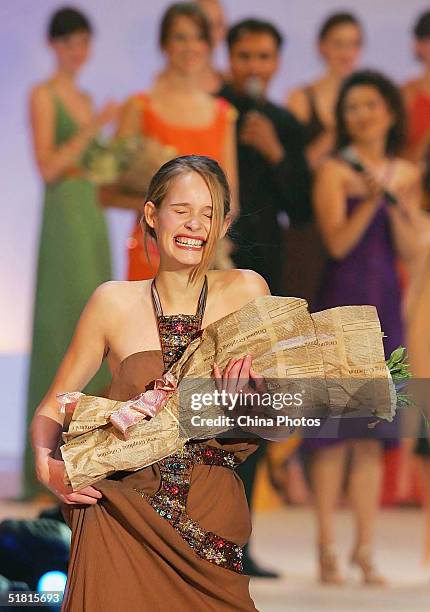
[
  {"x": 177, "y": 331},
  {"x": 170, "y": 500}
]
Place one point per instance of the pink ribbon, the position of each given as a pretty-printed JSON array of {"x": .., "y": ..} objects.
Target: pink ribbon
[
  {"x": 146, "y": 404},
  {"x": 68, "y": 401}
]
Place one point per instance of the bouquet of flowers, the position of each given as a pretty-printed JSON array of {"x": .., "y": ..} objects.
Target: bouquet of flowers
[
  {"x": 128, "y": 162},
  {"x": 336, "y": 356}
]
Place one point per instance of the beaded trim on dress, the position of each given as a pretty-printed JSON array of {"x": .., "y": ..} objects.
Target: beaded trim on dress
[
  {"x": 170, "y": 500},
  {"x": 177, "y": 331}
]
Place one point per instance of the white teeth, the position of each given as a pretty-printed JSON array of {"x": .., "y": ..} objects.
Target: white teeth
[{"x": 188, "y": 241}]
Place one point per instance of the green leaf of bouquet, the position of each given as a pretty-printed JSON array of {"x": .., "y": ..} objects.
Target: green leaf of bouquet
[{"x": 398, "y": 354}]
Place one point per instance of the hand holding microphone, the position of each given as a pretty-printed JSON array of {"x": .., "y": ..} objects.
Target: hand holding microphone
[{"x": 257, "y": 130}]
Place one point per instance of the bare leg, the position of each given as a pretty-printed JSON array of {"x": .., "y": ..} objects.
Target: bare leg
[
  {"x": 298, "y": 490},
  {"x": 425, "y": 473},
  {"x": 364, "y": 493},
  {"x": 326, "y": 474},
  {"x": 365, "y": 487}
]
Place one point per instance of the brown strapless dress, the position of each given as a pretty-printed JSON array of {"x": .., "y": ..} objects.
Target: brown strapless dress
[{"x": 140, "y": 549}]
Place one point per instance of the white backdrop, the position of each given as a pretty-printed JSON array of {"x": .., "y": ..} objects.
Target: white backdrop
[{"x": 124, "y": 60}]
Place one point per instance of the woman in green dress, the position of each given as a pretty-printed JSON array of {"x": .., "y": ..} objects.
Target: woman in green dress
[{"x": 74, "y": 255}]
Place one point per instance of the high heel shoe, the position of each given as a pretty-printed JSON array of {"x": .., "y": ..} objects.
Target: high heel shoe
[
  {"x": 362, "y": 559},
  {"x": 329, "y": 570}
]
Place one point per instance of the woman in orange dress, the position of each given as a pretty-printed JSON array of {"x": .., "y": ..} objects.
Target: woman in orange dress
[{"x": 177, "y": 113}]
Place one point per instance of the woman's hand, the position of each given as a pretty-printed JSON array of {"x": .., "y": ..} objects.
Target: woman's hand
[
  {"x": 235, "y": 380},
  {"x": 52, "y": 473},
  {"x": 52, "y": 159},
  {"x": 411, "y": 231},
  {"x": 237, "y": 375},
  {"x": 374, "y": 188},
  {"x": 107, "y": 114},
  {"x": 259, "y": 132},
  {"x": 111, "y": 195}
]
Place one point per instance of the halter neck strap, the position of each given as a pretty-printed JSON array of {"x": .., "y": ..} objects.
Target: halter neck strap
[{"x": 201, "y": 305}]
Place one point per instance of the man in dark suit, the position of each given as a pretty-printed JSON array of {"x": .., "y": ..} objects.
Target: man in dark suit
[
  {"x": 273, "y": 173},
  {"x": 273, "y": 176}
]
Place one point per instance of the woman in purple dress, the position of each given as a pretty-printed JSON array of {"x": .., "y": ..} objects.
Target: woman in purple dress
[{"x": 359, "y": 229}]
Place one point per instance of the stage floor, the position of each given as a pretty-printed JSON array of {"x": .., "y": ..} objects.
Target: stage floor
[{"x": 283, "y": 540}]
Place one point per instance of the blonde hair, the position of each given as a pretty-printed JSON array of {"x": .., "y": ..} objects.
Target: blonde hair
[{"x": 216, "y": 181}]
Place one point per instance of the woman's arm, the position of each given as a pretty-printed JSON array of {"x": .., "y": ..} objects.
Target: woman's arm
[
  {"x": 320, "y": 148},
  {"x": 52, "y": 161},
  {"x": 110, "y": 195},
  {"x": 128, "y": 125},
  {"x": 409, "y": 222},
  {"x": 408, "y": 91},
  {"x": 82, "y": 360},
  {"x": 128, "y": 122},
  {"x": 298, "y": 103},
  {"x": 340, "y": 233}
]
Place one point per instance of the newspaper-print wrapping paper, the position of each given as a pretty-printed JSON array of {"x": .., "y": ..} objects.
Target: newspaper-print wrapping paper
[{"x": 334, "y": 350}]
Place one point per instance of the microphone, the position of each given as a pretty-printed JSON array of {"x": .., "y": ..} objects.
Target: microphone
[
  {"x": 254, "y": 89},
  {"x": 348, "y": 155}
]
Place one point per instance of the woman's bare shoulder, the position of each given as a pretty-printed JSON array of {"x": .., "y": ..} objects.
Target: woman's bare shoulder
[
  {"x": 238, "y": 286},
  {"x": 411, "y": 87},
  {"x": 40, "y": 92},
  {"x": 333, "y": 167},
  {"x": 410, "y": 172},
  {"x": 113, "y": 297}
]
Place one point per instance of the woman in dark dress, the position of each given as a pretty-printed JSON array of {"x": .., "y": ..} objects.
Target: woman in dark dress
[
  {"x": 340, "y": 40},
  {"x": 171, "y": 533},
  {"x": 359, "y": 230}
]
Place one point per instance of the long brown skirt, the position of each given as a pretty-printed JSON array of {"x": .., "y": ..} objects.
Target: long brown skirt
[{"x": 125, "y": 556}]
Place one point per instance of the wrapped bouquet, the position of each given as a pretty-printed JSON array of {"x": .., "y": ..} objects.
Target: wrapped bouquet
[
  {"x": 334, "y": 359},
  {"x": 128, "y": 162}
]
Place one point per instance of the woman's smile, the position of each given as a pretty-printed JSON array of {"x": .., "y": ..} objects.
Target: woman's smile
[{"x": 189, "y": 243}]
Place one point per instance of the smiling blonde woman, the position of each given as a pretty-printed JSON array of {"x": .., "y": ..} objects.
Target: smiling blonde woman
[{"x": 174, "y": 531}]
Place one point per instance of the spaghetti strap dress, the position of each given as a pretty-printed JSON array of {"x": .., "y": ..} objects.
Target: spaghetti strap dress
[
  {"x": 73, "y": 260},
  {"x": 367, "y": 275},
  {"x": 169, "y": 535},
  {"x": 305, "y": 254}
]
